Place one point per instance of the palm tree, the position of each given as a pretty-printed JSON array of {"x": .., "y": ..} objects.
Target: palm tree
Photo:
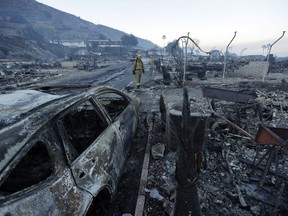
[{"x": 265, "y": 46}]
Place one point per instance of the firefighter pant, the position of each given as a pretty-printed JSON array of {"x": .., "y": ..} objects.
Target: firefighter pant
[{"x": 138, "y": 74}]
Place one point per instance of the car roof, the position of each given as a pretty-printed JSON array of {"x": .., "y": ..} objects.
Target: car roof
[{"x": 15, "y": 103}]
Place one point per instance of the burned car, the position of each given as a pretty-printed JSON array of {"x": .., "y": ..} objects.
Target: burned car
[{"x": 63, "y": 154}]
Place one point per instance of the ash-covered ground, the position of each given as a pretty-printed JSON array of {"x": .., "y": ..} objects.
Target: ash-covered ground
[{"x": 228, "y": 183}]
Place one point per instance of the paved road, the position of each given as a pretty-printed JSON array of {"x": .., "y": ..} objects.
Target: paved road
[
  {"x": 125, "y": 78},
  {"x": 117, "y": 75}
]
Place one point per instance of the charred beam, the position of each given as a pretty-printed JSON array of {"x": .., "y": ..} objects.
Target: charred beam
[
  {"x": 228, "y": 95},
  {"x": 230, "y": 123},
  {"x": 261, "y": 167}
]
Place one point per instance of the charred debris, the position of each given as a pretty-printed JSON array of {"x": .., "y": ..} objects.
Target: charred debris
[
  {"x": 230, "y": 156},
  {"x": 238, "y": 154},
  {"x": 237, "y": 157}
]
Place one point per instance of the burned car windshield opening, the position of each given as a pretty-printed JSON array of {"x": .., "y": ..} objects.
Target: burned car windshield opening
[
  {"x": 114, "y": 103},
  {"x": 83, "y": 125},
  {"x": 33, "y": 168}
]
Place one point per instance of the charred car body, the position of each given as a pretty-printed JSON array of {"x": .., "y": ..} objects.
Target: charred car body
[{"x": 63, "y": 155}]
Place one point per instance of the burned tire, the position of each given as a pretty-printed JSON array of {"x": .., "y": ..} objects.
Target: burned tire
[{"x": 99, "y": 204}]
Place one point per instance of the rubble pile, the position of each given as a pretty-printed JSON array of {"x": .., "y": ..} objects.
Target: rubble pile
[
  {"x": 10, "y": 78},
  {"x": 239, "y": 175},
  {"x": 236, "y": 176},
  {"x": 22, "y": 73}
]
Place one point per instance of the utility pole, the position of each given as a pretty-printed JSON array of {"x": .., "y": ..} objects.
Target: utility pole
[{"x": 226, "y": 54}]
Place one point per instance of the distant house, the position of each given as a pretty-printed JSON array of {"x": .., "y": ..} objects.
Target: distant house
[
  {"x": 105, "y": 43},
  {"x": 108, "y": 47},
  {"x": 82, "y": 52},
  {"x": 101, "y": 47},
  {"x": 70, "y": 43}
]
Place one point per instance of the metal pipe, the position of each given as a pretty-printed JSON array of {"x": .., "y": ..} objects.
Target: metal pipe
[
  {"x": 218, "y": 51},
  {"x": 226, "y": 54},
  {"x": 184, "y": 70},
  {"x": 173, "y": 53},
  {"x": 185, "y": 58},
  {"x": 270, "y": 47},
  {"x": 268, "y": 55},
  {"x": 242, "y": 51}
]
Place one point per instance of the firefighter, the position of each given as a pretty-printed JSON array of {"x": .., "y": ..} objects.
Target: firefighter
[
  {"x": 138, "y": 69},
  {"x": 152, "y": 65}
]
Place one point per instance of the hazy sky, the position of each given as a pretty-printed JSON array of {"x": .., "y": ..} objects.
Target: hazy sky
[{"x": 211, "y": 22}]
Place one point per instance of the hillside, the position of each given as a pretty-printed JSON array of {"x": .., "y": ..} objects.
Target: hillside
[{"x": 35, "y": 21}]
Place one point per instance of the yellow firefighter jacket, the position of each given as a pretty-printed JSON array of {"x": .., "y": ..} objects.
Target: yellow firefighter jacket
[{"x": 138, "y": 65}]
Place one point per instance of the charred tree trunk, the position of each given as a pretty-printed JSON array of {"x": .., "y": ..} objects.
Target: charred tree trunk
[
  {"x": 187, "y": 169},
  {"x": 163, "y": 113}
]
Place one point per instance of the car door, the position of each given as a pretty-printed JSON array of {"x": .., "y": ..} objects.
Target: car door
[
  {"x": 40, "y": 182},
  {"x": 93, "y": 146},
  {"x": 122, "y": 115}
]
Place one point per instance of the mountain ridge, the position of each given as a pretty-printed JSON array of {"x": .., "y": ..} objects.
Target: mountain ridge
[{"x": 33, "y": 20}]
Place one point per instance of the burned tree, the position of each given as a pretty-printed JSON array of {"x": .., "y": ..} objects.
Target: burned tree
[{"x": 187, "y": 166}]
